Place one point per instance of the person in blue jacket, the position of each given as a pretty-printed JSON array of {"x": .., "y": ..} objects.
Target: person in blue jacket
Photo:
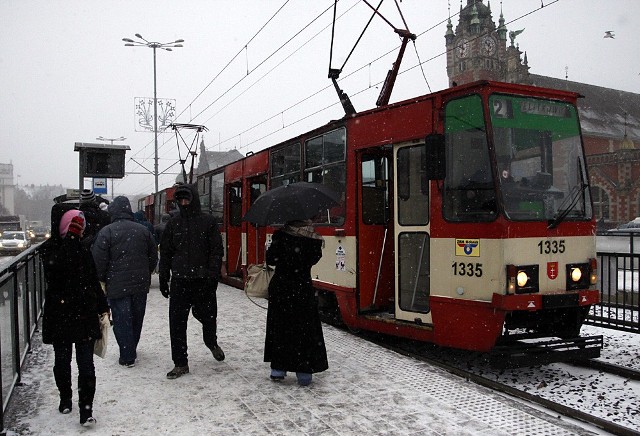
[{"x": 125, "y": 254}]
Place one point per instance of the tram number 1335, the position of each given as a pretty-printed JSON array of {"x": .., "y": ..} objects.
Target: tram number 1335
[
  {"x": 467, "y": 269},
  {"x": 551, "y": 247}
]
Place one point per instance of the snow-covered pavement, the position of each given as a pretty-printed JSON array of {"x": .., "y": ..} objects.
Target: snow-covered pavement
[{"x": 367, "y": 390}]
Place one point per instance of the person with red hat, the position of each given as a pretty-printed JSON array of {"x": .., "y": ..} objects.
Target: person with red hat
[{"x": 73, "y": 304}]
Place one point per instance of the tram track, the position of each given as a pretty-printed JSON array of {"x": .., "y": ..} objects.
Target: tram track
[
  {"x": 609, "y": 368},
  {"x": 463, "y": 366}
]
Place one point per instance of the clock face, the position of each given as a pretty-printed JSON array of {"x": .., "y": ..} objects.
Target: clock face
[
  {"x": 462, "y": 48},
  {"x": 488, "y": 45}
]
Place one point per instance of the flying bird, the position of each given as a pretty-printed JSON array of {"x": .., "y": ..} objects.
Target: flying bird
[{"x": 609, "y": 34}]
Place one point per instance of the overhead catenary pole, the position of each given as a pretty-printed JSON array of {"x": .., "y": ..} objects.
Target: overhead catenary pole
[{"x": 168, "y": 46}]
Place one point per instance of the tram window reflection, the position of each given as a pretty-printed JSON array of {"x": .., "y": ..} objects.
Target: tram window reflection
[{"x": 375, "y": 189}]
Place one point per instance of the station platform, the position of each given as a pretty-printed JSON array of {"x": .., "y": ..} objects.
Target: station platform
[{"x": 367, "y": 390}]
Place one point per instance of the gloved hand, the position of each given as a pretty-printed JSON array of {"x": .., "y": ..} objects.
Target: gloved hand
[{"x": 164, "y": 288}]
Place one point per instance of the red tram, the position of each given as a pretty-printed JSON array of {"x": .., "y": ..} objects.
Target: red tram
[
  {"x": 466, "y": 218},
  {"x": 157, "y": 204}
]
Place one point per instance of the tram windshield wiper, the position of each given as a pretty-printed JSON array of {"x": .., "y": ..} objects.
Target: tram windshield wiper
[
  {"x": 562, "y": 213},
  {"x": 576, "y": 193}
]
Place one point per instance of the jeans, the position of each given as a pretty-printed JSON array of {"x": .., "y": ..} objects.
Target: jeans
[
  {"x": 128, "y": 316},
  {"x": 198, "y": 295}
]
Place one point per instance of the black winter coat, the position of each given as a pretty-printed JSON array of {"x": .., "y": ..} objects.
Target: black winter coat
[
  {"x": 191, "y": 245},
  {"x": 96, "y": 219},
  {"x": 294, "y": 339},
  {"x": 125, "y": 253},
  {"x": 73, "y": 298}
]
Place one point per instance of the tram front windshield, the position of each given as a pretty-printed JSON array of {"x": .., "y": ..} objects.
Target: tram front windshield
[
  {"x": 534, "y": 170},
  {"x": 540, "y": 162}
]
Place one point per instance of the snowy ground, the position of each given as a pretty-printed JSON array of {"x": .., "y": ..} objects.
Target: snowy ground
[
  {"x": 367, "y": 389},
  {"x": 609, "y": 397}
]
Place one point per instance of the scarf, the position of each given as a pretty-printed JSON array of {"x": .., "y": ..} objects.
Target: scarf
[{"x": 305, "y": 231}]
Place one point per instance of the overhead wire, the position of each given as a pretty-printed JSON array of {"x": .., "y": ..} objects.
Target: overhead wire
[
  {"x": 249, "y": 72},
  {"x": 419, "y": 64}
]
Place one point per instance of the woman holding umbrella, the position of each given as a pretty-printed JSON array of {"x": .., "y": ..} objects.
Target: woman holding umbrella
[{"x": 294, "y": 340}]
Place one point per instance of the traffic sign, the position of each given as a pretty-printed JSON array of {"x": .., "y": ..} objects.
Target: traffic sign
[{"x": 100, "y": 185}]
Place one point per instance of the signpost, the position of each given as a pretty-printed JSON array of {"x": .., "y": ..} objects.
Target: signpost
[{"x": 100, "y": 185}]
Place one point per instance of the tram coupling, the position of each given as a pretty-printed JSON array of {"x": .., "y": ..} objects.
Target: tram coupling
[{"x": 522, "y": 354}]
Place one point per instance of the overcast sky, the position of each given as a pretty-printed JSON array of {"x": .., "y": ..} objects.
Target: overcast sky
[{"x": 66, "y": 76}]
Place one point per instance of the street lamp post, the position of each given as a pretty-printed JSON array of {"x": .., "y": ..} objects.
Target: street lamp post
[
  {"x": 101, "y": 138},
  {"x": 168, "y": 46}
]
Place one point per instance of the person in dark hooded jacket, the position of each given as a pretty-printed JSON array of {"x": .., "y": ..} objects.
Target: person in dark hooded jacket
[
  {"x": 139, "y": 217},
  {"x": 125, "y": 253},
  {"x": 190, "y": 259},
  {"x": 73, "y": 303},
  {"x": 159, "y": 228},
  {"x": 96, "y": 217}
]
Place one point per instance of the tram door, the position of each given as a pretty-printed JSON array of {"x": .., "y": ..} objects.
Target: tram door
[
  {"x": 255, "y": 236},
  {"x": 234, "y": 229},
  {"x": 411, "y": 233},
  {"x": 375, "y": 231}
]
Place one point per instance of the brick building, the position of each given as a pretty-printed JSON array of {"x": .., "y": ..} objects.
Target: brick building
[{"x": 610, "y": 119}]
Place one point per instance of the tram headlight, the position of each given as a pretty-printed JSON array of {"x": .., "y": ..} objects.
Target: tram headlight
[
  {"x": 522, "y": 279},
  {"x": 579, "y": 276}
]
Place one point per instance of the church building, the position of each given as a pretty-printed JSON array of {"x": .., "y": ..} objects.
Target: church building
[{"x": 610, "y": 119}]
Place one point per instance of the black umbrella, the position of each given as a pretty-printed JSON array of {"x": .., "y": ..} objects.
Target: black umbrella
[{"x": 295, "y": 201}]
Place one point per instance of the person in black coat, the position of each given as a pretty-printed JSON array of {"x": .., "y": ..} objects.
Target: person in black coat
[
  {"x": 73, "y": 304},
  {"x": 294, "y": 340},
  {"x": 96, "y": 218},
  {"x": 190, "y": 259},
  {"x": 125, "y": 253}
]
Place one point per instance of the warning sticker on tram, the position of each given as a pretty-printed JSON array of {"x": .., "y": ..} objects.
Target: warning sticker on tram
[{"x": 468, "y": 247}]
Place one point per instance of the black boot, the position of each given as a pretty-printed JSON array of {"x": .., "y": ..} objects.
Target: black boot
[
  {"x": 63, "y": 381},
  {"x": 86, "y": 391}
]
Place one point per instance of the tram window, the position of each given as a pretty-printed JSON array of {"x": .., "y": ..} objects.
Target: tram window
[
  {"x": 375, "y": 189},
  {"x": 257, "y": 188},
  {"x": 413, "y": 198},
  {"x": 313, "y": 152},
  {"x": 235, "y": 205},
  {"x": 413, "y": 271},
  {"x": 203, "y": 189},
  {"x": 286, "y": 160},
  {"x": 332, "y": 176},
  {"x": 280, "y": 181},
  {"x": 217, "y": 196},
  {"x": 469, "y": 191},
  {"x": 334, "y": 146},
  {"x": 324, "y": 163}
]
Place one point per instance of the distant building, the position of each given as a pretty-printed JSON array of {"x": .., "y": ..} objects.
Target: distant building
[
  {"x": 610, "y": 119},
  {"x": 7, "y": 190},
  {"x": 210, "y": 160}
]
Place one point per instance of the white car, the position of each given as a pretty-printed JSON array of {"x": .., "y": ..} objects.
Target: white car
[{"x": 14, "y": 242}]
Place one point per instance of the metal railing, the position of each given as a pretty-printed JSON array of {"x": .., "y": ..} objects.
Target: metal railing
[
  {"x": 618, "y": 281},
  {"x": 22, "y": 287}
]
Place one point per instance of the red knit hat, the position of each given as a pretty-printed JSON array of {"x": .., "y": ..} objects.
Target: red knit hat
[
  {"x": 76, "y": 226},
  {"x": 65, "y": 222}
]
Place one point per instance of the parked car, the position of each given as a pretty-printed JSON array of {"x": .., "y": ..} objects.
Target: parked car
[{"x": 14, "y": 242}]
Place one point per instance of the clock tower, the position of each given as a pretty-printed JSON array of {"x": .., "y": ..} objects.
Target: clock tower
[{"x": 478, "y": 50}]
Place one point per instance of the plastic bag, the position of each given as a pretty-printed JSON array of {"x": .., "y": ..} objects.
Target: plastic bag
[{"x": 100, "y": 347}]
